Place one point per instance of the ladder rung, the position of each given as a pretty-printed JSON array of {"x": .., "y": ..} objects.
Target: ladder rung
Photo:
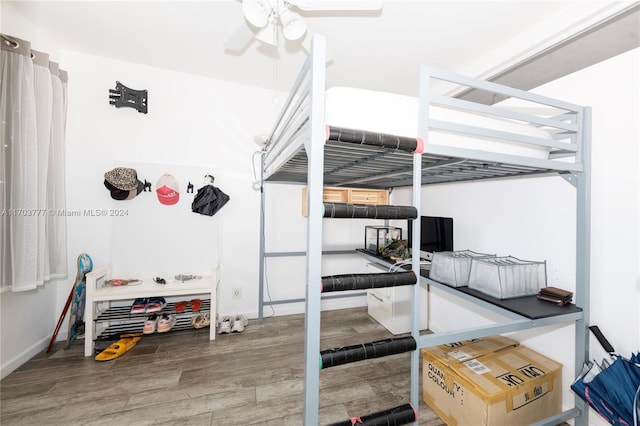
[
  {"x": 365, "y": 211},
  {"x": 382, "y": 140},
  {"x": 377, "y": 349},
  {"x": 364, "y": 281},
  {"x": 400, "y": 415}
]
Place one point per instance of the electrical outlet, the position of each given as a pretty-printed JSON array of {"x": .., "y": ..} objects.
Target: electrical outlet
[{"x": 236, "y": 293}]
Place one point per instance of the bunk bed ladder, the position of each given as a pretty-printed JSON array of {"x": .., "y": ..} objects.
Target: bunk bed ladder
[{"x": 406, "y": 413}]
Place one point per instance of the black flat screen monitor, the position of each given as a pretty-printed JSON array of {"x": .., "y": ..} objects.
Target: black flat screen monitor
[{"x": 436, "y": 234}]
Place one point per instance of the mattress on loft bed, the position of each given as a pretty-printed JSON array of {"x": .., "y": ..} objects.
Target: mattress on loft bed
[{"x": 383, "y": 112}]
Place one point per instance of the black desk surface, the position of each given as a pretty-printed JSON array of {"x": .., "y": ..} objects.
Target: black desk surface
[{"x": 528, "y": 306}]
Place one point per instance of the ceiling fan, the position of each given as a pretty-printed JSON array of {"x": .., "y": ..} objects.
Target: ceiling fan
[{"x": 268, "y": 19}]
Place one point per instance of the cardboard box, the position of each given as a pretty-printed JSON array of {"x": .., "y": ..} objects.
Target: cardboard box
[
  {"x": 469, "y": 349},
  {"x": 513, "y": 386}
]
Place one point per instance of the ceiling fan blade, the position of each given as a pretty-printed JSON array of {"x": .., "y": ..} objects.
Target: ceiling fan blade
[
  {"x": 327, "y": 5},
  {"x": 239, "y": 39}
]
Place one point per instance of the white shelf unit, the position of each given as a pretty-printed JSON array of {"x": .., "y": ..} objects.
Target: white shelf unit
[
  {"x": 101, "y": 300},
  {"x": 302, "y": 149}
]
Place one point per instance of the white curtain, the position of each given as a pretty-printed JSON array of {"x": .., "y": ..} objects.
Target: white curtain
[
  {"x": 56, "y": 265},
  {"x": 44, "y": 110},
  {"x": 33, "y": 112}
]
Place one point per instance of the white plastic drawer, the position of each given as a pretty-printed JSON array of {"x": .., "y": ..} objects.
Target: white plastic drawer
[{"x": 379, "y": 307}]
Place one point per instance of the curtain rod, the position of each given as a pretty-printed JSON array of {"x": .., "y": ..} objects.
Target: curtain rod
[{"x": 15, "y": 44}]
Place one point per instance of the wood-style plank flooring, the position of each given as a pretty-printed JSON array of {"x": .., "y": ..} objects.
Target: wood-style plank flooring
[{"x": 181, "y": 378}]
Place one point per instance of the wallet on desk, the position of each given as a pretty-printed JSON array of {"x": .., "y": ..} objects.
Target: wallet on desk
[{"x": 555, "y": 295}]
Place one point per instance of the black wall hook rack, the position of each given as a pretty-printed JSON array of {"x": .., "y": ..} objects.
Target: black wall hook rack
[{"x": 122, "y": 96}]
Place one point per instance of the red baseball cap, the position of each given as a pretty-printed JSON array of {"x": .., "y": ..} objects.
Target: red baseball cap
[{"x": 167, "y": 190}]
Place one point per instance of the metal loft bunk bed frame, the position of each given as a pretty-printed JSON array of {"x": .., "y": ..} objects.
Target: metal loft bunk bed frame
[{"x": 302, "y": 149}]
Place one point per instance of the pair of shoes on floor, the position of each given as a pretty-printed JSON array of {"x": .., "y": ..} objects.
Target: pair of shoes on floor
[
  {"x": 148, "y": 305},
  {"x": 159, "y": 323},
  {"x": 233, "y": 324}
]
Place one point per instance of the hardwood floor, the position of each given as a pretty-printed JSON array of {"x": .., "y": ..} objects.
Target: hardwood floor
[{"x": 181, "y": 378}]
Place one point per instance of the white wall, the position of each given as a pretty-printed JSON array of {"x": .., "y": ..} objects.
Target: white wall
[
  {"x": 534, "y": 218},
  {"x": 192, "y": 121}
]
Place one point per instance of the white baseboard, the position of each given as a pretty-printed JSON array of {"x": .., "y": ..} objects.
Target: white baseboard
[{"x": 10, "y": 366}]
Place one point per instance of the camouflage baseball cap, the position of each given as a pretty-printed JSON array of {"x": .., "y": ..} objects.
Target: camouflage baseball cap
[{"x": 122, "y": 178}]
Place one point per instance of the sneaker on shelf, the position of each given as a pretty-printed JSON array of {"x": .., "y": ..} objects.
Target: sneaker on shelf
[
  {"x": 155, "y": 304},
  {"x": 150, "y": 324},
  {"x": 139, "y": 305},
  {"x": 166, "y": 323},
  {"x": 201, "y": 320},
  {"x": 225, "y": 325},
  {"x": 239, "y": 323}
]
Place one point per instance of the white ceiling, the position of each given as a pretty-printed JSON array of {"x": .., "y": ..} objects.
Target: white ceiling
[{"x": 373, "y": 50}]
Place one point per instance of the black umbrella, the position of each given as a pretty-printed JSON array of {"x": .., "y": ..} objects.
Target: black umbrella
[{"x": 209, "y": 199}]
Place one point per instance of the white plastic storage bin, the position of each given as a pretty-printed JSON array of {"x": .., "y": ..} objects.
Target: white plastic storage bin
[
  {"x": 507, "y": 277},
  {"x": 453, "y": 267}
]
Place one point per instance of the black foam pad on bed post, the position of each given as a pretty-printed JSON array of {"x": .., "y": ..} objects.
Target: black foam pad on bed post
[
  {"x": 360, "y": 352},
  {"x": 362, "y": 211},
  {"x": 382, "y": 140},
  {"x": 400, "y": 415},
  {"x": 348, "y": 282}
]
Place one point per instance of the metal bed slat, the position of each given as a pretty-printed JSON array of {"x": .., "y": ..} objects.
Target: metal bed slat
[
  {"x": 483, "y": 133},
  {"x": 279, "y": 140},
  {"x": 557, "y": 122},
  {"x": 286, "y": 139},
  {"x": 397, "y": 172},
  {"x": 393, "y": 162},
  {"x": 348, "y": 164},
  {"x": 302, "y": 76},
  {"x": 492, "y": 157},
  {"x": 298, "y": 117},
  {"x": 292, "y": 148}
]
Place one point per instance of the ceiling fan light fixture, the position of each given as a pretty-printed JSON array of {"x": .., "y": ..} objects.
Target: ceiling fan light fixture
[
  {"x": 256, "y": 12},
  {"x": 293, "y": 26},
  {"x": 268, "y": 34}
]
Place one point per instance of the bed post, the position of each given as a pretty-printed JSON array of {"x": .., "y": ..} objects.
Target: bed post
[
  {"x": 261, "y": 266},
  {"x": 315, "y": 181},
  {"x": 583, "y": 255},
  {"x": 415, "y": 265},
  {"x": 423, "y": 134}
]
